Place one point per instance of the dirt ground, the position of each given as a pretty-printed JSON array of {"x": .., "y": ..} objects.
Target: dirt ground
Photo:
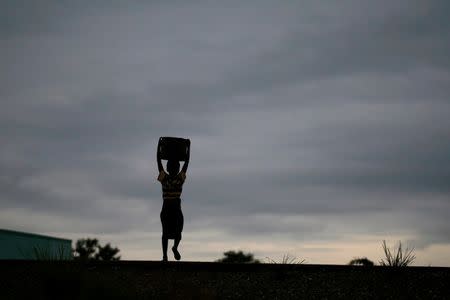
[{"x": 198, "y": 280}]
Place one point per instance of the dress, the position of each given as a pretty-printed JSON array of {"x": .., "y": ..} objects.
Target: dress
[{"x": 172, "y": 219}]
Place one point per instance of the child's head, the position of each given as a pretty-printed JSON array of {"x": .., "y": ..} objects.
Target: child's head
[{"x": 173, "y": 167}]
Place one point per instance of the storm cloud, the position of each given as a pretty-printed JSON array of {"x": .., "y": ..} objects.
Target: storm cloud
[{"x": 315, "y": 127}]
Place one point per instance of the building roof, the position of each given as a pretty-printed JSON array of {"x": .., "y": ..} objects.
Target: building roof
[{"x": 27, "y": 234}]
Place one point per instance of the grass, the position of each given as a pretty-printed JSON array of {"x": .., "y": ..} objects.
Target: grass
[
  {"x": 287, "y": 259},
  {"x": 47, "y": 253},
  {"x": 400, "y": 257}
]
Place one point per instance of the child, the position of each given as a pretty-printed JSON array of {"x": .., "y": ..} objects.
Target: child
[{"x": 171, "y": 215}]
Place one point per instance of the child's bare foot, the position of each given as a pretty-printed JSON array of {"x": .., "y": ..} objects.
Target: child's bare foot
[{"x": 176, "y": 254}]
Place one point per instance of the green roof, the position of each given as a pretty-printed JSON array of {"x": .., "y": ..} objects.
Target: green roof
[{"x": 27, "y": 234}]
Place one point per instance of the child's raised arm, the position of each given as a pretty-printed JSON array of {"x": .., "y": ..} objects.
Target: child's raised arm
[
  {"x": 186, "y": 162},
  {"x": 158, "y": 157}
]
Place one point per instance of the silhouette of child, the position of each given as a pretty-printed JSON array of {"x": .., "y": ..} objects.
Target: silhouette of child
[{"x": 172, "y": 219}]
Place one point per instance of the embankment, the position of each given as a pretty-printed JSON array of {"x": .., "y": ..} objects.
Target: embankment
[{"x": 200, "y": 280}]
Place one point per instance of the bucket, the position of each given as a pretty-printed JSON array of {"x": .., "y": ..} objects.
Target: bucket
[{"x": 173, "y": 148}]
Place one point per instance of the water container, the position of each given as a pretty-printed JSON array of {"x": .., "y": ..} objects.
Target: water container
[{"x": 173, "y": 148}]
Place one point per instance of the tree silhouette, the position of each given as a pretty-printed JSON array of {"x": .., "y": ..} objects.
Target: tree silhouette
[
  {"x": 85, "y": 249},
  {"x": 107, "y": 253},
  {"x": 90, "y": 249},
  {"x": 238, "y": 257}
]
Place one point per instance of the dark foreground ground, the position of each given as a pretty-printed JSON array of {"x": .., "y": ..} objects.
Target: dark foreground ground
[{"x": 198, "y": 280}]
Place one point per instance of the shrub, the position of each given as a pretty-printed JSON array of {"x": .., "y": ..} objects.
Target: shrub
[
  {"x": 238, "y": 257},
  {"x": 90, "y": 249},
  {"x": 361, "y": 261}
]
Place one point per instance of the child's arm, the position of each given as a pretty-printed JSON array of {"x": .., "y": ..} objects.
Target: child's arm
[
  {"x": 186, "y": 163},
  {"x": 158, "y": 158}
]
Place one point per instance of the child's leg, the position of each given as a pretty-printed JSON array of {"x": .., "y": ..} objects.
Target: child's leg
[
  {"x": 164, "y": 248},
  {"x": 177, "y": 255},
  {"x": 176, "y": 242}
]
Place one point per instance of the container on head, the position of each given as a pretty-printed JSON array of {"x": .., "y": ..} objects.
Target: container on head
[{"x": 173, "y": 148}]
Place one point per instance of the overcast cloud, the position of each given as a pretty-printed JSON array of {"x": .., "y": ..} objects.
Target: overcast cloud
[{"x": 317, "y": 129}]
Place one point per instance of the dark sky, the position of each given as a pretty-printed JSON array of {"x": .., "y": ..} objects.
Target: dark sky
[{"x": 318, "y": 129}]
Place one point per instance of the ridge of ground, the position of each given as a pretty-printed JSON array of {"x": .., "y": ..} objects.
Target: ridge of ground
[{"x": 21, "y": 279}]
